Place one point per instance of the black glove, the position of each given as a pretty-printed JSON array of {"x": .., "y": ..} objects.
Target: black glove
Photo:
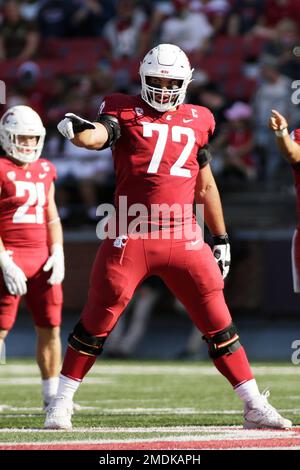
[
  {"x": 72, "y": 124},
  {"x": 221, "y": 251}
]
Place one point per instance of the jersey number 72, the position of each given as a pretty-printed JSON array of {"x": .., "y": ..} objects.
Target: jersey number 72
[{"x": 176, "y": 134}]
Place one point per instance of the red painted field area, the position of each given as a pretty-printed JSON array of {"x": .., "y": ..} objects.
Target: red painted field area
[{"x": 257, "y": 439}]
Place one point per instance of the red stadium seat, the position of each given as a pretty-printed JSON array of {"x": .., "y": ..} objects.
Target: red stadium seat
[
  {"x": 253, "y": 46},
  {"x": 220, "y": 68},
  {"x": 226, "y": 46},
  {"x": 63, "y": 47},
  {"x": 9, "y": 69},
  {"x": 79, "y": 64},
  {"x": 240, "y": 88}
]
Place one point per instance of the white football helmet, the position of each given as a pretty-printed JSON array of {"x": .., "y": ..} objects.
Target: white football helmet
[
  {"x": 21, "y": 121},
  {"x": 165, "y": 61}
]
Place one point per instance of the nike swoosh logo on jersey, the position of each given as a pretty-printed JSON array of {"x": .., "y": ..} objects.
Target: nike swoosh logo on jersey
[
  {"x": 187, "y": 120},
  {"x": 42, "y": 175},
  {"x": 195, "y": 242}
]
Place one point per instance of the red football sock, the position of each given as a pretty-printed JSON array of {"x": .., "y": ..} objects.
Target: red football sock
[
  {"x": 76, "y": 365},
  {"x": 235, "y": 367}
]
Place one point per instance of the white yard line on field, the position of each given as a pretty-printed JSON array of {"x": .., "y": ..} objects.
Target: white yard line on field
[
  {"x": 234, "y": 431},
  {"x": 232, "y": 435},
  {"x": 135, "y": 430},
  {"x": 132, "y": 411},
  {"x": 37, "y": 380},
  {"x": 138, "y": 410},
  {"x": 144, "y": 369}
]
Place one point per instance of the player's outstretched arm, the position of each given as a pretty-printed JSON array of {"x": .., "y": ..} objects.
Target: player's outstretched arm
[
  {"x": 92, "y": 139},
  {"x": 289, "y": 149},
  {"x": 83, "y": 133}
]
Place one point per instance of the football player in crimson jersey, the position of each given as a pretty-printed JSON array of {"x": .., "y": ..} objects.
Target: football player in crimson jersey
[
  {"x": 289, "y": 145},
  {"x": 31, "y": 241},
  {"x": 160, "y": 158}
]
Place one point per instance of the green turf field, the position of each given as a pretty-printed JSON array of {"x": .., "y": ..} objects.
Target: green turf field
[{"x": 140, "y": 398}]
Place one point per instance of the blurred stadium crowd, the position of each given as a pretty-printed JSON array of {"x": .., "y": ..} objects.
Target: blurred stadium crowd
[{"x": 59, "y": 56}]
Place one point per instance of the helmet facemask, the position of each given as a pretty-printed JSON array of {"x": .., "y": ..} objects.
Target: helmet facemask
[
  {"x": 21, "y": 152},
  {"x": 163, "y": 99}
]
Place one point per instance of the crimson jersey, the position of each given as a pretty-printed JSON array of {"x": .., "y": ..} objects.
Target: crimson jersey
[
  {"x": 295, "y": 135},
  {"x": 155, "y": 158},
  {"x": 23, "y": 202}
]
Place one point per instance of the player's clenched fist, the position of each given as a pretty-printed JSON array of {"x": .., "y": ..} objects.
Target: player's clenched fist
[{"x": 72, "y": 124}]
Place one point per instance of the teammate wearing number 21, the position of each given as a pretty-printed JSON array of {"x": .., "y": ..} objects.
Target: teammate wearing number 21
[
  {"x": 31, "y": 242},
  {"x": 161, "y": 158}
]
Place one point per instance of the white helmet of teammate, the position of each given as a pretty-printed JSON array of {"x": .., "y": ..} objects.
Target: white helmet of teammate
[
  {"x": 165, "y": 61},
  {"x": 21, "y": 121}
]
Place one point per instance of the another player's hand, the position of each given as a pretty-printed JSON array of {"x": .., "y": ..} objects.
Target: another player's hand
[
  {"x": 72, "y": 124},
  {"x": 14, "y": 277},
  {"x": 221, "y": 252},
  {"x": 277, "y": 122},
  {"x": 56, "y": 262}
]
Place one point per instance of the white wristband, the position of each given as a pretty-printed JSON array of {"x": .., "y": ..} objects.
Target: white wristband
[
  {"x": 282, "y": 132},
  {"x": 53, "y": 221}
]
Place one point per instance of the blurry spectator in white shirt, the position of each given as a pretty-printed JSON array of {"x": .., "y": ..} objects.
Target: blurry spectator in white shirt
[{"x": 186, "y": 29}]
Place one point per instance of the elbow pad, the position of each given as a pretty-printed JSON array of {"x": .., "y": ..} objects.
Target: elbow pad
[
  {"x": 204, "y": 156},
  {"x": 112, "y": 126}
]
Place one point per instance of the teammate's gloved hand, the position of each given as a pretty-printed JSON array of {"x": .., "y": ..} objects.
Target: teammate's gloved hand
[
  {"x": 56, "y": 262},
  {"x": 221, "y": 252},
  {"x": 72, "y": 124},
  {"x": 14, "y": 277}
]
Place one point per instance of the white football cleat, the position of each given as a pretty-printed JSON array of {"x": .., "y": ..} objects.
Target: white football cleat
[
  {"x": 59, "y": 414},
  {"x": 262, "y": 415},
  {"x": 46, "y": 404}
]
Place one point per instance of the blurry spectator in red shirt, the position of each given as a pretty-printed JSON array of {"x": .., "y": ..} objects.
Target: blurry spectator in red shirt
[
  {"x": 274, "y": 12},
  {"x": 240, "y": 143},
  {"x": 277, "y": 10},
  {"x": 28, "y": 89},
  {"x": 234, "y": 145}
]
